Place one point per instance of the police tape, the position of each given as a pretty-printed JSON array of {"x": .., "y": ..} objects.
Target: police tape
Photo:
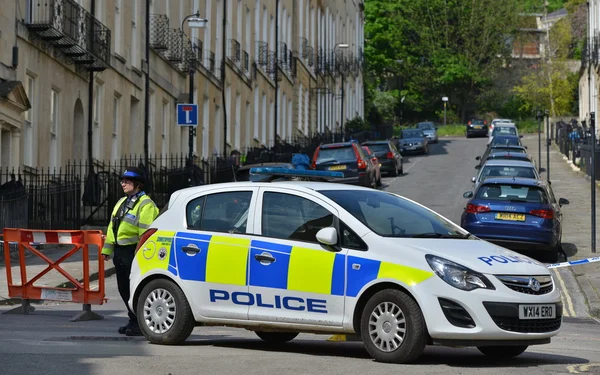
[{"x": 574, "y": 262}]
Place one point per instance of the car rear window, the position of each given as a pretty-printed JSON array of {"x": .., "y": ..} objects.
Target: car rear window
[
  {"x": 511, "y": 150},
  {"x": 344, "y": 153},
  {"x": 504, "y": 130},
  {"x": 477, "y": 122},
  {"x": 505, "y": 140},
  {"x": 507, "y": 171},
  {"x": 512, "y": 193},
  {"x": 381, "y": 147},
  {"x": 425, "y": 126}
]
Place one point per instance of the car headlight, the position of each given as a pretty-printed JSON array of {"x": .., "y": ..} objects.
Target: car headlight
[{"x": 456, "y": 275}]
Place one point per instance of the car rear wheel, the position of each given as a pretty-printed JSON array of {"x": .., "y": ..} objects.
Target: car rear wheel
[
  {"x": 164, "y": 313},
  {"x": 502, "y": 351},
  {"x": 393, "y": 328},
  {"x": 276, "y": 337}
]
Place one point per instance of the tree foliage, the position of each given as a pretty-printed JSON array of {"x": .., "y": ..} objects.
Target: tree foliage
[{"x": 439, "y": 48}]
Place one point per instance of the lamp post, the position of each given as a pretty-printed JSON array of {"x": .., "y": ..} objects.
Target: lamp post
[
  {"x": 445, "y": 100},
  {"x": 593, "y": 192},
  {"x": 194, "y": 22},
  {"x": 539, "y": 118},
  {"x": 547, "y": 145},
  {"x": 341, "y": 45}
]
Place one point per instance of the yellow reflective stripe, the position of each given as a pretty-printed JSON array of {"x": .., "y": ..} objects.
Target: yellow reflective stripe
[
  {"x": 129, "y": 220},
  {"x": 148, "y": 257},
  {"x": 128, "y": 241},
  {"x": 227, "y": 260},
  {"x": 310, "y": 270},
  {"x": 408, "y": 275}
]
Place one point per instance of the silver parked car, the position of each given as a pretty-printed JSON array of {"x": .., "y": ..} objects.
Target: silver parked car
[
  {"x": 430, "y": 130},
  {"x": 505, "y": 168}
]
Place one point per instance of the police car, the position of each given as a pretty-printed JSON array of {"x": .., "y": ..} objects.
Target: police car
[{"x": 286, "y": 257}]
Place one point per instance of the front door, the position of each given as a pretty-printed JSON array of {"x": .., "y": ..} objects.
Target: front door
[{"x": 293, "y": 278}]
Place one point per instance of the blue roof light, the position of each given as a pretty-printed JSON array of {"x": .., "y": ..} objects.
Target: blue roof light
[{"x": 277, "y": 172}]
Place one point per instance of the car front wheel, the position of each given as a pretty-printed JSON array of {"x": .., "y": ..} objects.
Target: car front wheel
[
  {"x": 164, "y": 313},
  {"x": 393, "y": 328}
]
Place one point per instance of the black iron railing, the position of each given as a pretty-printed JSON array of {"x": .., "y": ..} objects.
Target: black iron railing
[
  {"x": 262, "y": 53},
  {"x": 210, "y": 61},
  {"x": 235, "y": 52},
  {"x": 245, "y": 62},
  {"x": 70, "y": 28},
  {"x": 159, "y": 28},
  {"x": 304, "y": 48}
]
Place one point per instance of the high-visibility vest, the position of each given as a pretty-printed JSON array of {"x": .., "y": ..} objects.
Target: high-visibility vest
[{"x": 136, "y": 218}]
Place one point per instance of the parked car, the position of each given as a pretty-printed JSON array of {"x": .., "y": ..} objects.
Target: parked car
[
  {"x": 389, "y": 157},
  {"x": 430, "y": 131},
  {"x": 346, "y": 157},
  {"x": 376, "y": 164},
  {"x": 499, "y": 121},
  {"x": 477, "y": 127},
  {"x": 413, "y": 141},
  {"x": 500, "y": 154},
  {"x": 498, "y": 148},
  {"x": 505, "y": 168},
  {"x": 504, "y": 129},
  {"x": 521, "y": 214},
  {"x": 511, "y": 140}
]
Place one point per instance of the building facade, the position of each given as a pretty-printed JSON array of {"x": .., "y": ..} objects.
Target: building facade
[{"x": 73, "y": 76}]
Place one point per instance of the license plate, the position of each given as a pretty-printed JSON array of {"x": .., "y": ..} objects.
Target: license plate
[
  {"x": 477, "y": 126},
  {"x": 337, "y": 167},
  {"x": 510, "y": 217},
  {"x": 537, "y": 311}
]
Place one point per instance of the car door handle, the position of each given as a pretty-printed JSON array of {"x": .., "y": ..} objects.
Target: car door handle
[
  {"x": 264, "y": 257},
  {"x": 190, "y": 250}
]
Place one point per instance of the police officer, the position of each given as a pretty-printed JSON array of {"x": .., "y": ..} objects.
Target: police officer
[{"x": 130, "y": 218}]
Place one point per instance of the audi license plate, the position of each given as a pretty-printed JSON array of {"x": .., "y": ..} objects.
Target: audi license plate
[
  {"x": 510, "y": 217},
  {"x": 537, "y": 311},
  {"x": 337, "y": 167}
]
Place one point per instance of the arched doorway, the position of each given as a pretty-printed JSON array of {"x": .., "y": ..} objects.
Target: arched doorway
[{"x": 79, "y": 139}]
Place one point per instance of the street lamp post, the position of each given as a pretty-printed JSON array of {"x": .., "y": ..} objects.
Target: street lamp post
[
  {"x": 445, "y": 100},
  {"x": 593, "y": 192},
  {"x": 194, "y": 22},
  {"x": 341, "y": 45},
  {"x": 539, "y": 118},
  {"x": 547, "y": 145}
]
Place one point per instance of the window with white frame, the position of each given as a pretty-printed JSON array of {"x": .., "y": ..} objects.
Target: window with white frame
[
  {"x": 115, "y": 149},
  {"x": 265, "y": 119},
  {"x": 98, "y": 111},
  {"x": 151, "y": 135},
  {"x": 28, "y": 129},
  {"x": 248, "y": 126},
  {"x": 118, "y": 26},
  {"x": 268, "y": 142},
  {"x": 228, "y": 109},
  {"x": 238, "y": 28},
  {"x": 208, "y": 28},
  {"x": 54, "y": 129},
  {"x": 217, "y": 131},
  {"x": 135, "y": 61},
  {"x": 248, "y": 32},
  {"x": 218, "y": 34},
  {"x": 289, "y": 118},
  {"x": 282, "y": 118},
  {"x": 205, "y": 127}
]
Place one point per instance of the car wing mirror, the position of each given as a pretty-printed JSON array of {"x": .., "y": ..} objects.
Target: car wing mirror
[
  {"x": 468, "y": 194},
  {"x": 327, "y": 236},
  {"x": 520, "y": 136},
  {"x": 562, "y": 201}
]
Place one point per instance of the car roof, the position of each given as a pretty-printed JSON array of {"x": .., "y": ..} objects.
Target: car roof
[
  {"x": 375, "y": 143},
  {"x": 505, "y": 125},
  {"x": 500, "y": 145},
  {"x": 335, "y": 145},
  {"x": 514, "y": 181},
  {"x": 508, "y": 163},
  {"x": 184, "y": 194}
]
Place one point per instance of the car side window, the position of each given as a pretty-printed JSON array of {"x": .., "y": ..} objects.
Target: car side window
[
  {"x": 221, "y": 212},
  {"x": 291, "y": 217},
  {"x": 350, "y": 239}
]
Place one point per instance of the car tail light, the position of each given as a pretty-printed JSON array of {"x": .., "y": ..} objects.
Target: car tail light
[
  {"x": 147, "y": 234},
  {"x": 314, "y": 162},
  {"x": 389, "y": 155},
  {"x": 362, "y": 164},
  {"x": 476, "y": 209},
  {"x": 544, "y": 214}
]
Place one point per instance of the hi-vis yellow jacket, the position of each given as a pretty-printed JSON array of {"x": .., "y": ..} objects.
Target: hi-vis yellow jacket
[{"x": 131, "y": 225}]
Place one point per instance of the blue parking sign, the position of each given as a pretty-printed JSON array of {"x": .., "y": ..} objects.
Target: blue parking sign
[{"x": 187, "y": 114}]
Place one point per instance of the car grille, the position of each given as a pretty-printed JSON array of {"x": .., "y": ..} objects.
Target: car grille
[
  {"x": 528, "y": 284},
  {"x": 525, "y": 326},
  {"x": 506, "y": 317}
]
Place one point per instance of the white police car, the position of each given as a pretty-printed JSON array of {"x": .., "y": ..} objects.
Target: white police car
[{"x": 281, "y": 258}]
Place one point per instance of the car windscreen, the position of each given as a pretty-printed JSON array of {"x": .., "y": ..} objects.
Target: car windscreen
[
  {"x": 477, "y": 122},
  {"x": 341, "y": 154},
  {"x": 412, "y": 134},
  {"x": 389, "y": 215},
  {"x": 379, "y": 147},
  {"x": 507, "y": 171},
  {"x": 503, "y": 140},
  {"x": 512, "y": 193},
  {"x": 425, "y": 126},
  {"x": 504, "y": 130}
]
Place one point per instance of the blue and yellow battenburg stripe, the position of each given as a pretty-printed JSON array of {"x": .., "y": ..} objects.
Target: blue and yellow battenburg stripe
[{"x": 230, "y": 260}]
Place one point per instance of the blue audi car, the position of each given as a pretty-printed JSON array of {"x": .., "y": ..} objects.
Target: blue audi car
[{"x": 521, "y": 214}]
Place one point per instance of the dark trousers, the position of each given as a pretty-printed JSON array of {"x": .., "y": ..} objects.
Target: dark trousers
[{"x": 123, "y": 258}]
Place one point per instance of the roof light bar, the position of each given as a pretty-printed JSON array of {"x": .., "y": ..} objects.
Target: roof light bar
[{"x": 275, "y": 172}]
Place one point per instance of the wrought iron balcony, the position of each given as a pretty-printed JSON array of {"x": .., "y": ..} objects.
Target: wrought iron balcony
[
  {"x": 70, "y": 28},
  {"x": 235, "y": 51},
  {"x": 262, "y": 53},
  {"x": 210, "y": 61},
  {"x": 304, "y": 48},
  {"x": 245, "y": 62},
  {"x": 159, "y": 27}
]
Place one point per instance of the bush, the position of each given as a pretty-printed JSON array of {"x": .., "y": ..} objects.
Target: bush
[
  {"x": 452, "y": 130},
  {"x": 528, "y": 126}
]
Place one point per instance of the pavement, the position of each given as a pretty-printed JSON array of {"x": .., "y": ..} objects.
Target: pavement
[{"x": 568, "y": 181}]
